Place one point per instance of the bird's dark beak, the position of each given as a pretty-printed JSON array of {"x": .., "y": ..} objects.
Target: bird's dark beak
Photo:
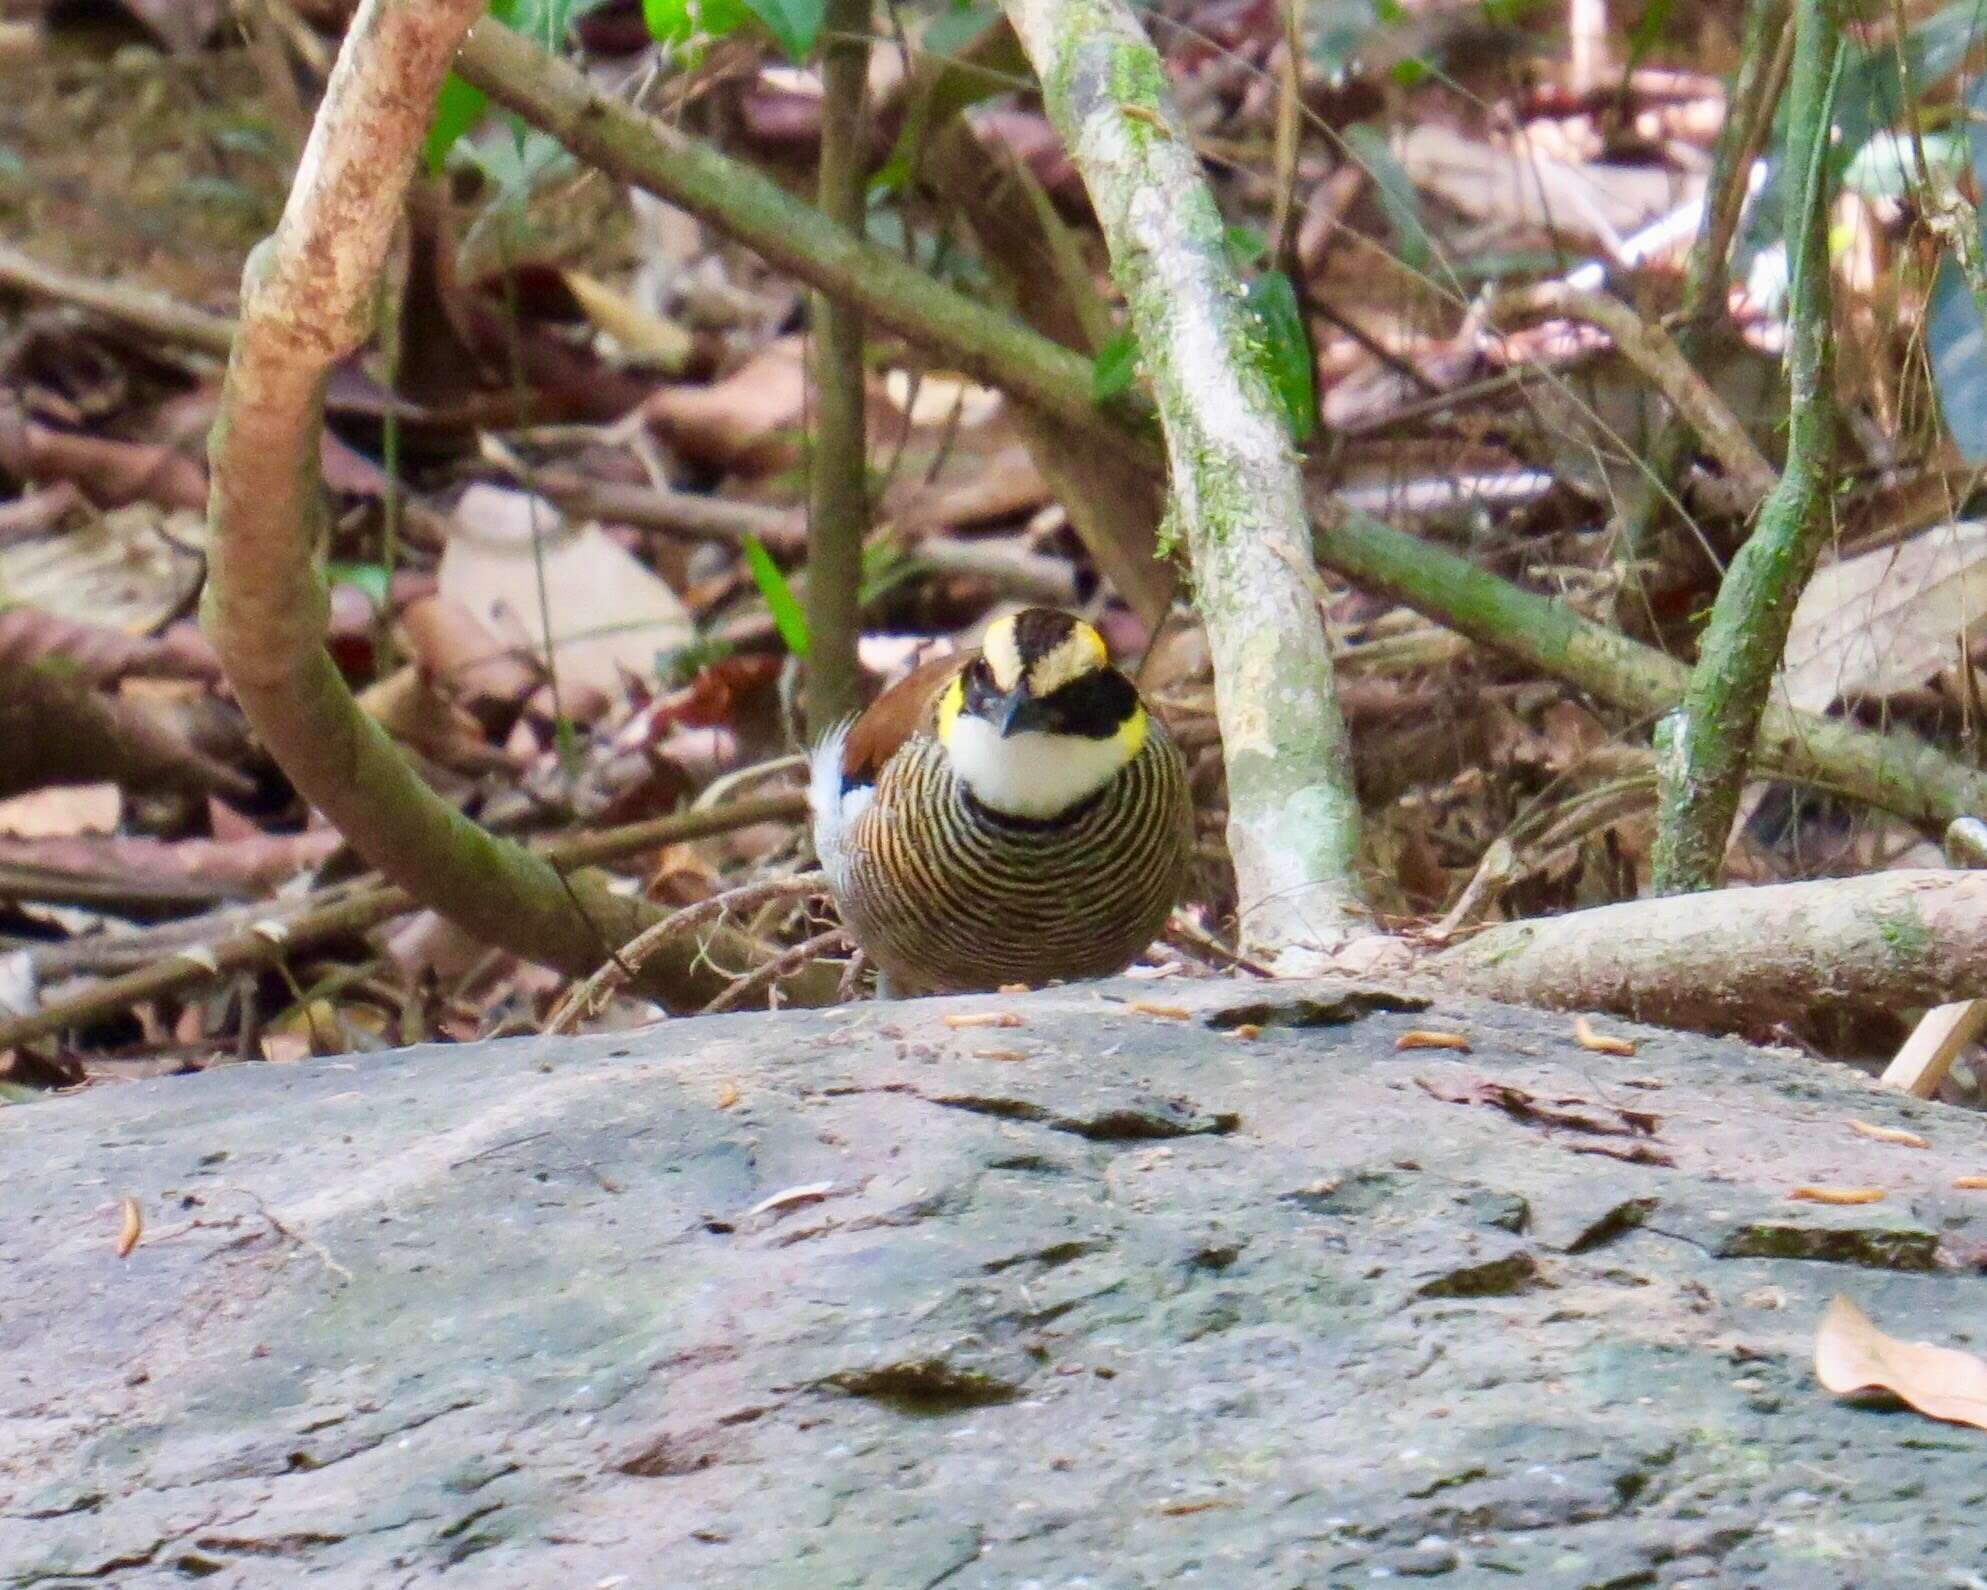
[{"x": 1019, "y": 712}]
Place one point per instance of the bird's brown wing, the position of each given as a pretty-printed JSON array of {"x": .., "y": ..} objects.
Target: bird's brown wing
[{"x": 896, "y": 715}]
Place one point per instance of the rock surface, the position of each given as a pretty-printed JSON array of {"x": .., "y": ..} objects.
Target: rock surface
[{"x": 1106, "y": 1299}]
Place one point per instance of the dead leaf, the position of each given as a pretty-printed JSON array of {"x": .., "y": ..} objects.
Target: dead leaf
[
  {"x": 609, "y": 616},
  {"x": 935, "y": 397},
  {"x": 1569, "y": 1114},
  {"x": 1600, "y": 1043},
  {"x": 1970, "y": 1183},
  {"x": 1890, "y": 1134},
  {"x": 1889, "y": 619},
  {"x": 748, "y": 422},
  {"x": 130, "y": 1228},
  {"x": 1852, "y": 1355},
  {"x": 786, "y": 1197},
  {"x": 1000, "y": 1054},
  {"x": 1247, "y": 1029},
  {"x": 983, "y": 1018},
  {"x": 1514, "y": 182},
  {"x": 644, "y": 337},
  {"x": 727, "y": 1095},
  {"x": 120, "y": 576},
  {"x": 1424, "y": 1038},
  {"x": 1839, "y": 1195},
  {"x": 462, "y": 655},
  {"x": 1148, "y": 1007},
  {"x": 63, "y": 812}
]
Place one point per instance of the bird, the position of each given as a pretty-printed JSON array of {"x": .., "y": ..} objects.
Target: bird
[{"x": 1010, "y": 815}]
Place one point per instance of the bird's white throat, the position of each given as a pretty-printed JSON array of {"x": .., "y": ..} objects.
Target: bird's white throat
[{"x": 1031, "y": 774}]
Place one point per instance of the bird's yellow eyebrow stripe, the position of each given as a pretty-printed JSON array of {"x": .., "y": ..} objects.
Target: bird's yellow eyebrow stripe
[
  {"x": 1080, "y": 652},
  {"x": 1003, "y": 654}
]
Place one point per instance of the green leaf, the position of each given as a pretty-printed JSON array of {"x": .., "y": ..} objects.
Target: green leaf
[
  {"x": 1247, "y": 247},
  {"x": 1957, "y": 341},
  {"x": 679, "y": 21},
  {"x": 1396, "y": 191},
  {"x": 788, "y": 619},
  {"x": 1116, "y": 363},
  {"x": 794, "y": 24},
  {"x": 460, "y": 105},
  {"x": 1286, "y": 351},
  {"x": 372, "y": 578}
]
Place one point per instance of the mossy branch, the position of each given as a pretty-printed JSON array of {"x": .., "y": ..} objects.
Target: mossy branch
[
  {"x": 838, "y": 461},
  {"x": 1293, "y": 826},
  {"x": 307, "y": 298},
  {"x": 1897, "y": 772},
  {"x": 1705, "y": 748}
]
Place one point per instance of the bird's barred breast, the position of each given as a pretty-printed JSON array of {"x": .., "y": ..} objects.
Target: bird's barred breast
[{"x": 944, "y": 894}]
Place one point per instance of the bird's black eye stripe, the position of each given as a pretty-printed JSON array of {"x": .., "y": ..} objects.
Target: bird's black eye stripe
[{"x": 1093, "y": 706}]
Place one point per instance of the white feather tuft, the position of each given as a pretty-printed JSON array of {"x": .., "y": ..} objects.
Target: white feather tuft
[{"x": 834, "y": 808}]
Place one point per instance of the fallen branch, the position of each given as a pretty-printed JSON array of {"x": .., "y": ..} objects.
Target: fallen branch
[
  {"x": 352, "y": 908},
  {"x": 1739, "y": 960},
  {"x": 138, "y": 308}
]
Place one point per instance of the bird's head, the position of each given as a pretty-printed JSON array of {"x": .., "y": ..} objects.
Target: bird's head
[{"x": 1039, "y": 721}]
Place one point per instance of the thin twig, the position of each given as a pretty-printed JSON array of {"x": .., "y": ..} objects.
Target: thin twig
[
  {"x": 1652, "y": 351},
  {"x": 587, "y": 998},
  {"x": 139, "y": 308},
  {"x": 775, "y": 970}
]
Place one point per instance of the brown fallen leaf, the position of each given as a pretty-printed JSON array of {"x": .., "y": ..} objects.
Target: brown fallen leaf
[
  {"x": 1570, "y": 1114},
  {"x": 1600, "y": 1042},
  {"x": 1148, "y": 1007},
  {"x": 1423, "y": 1038},
  {"x": 130, "y": 1228},
  {"x": 1970, "y": 1183},
  {"x": 1248, "y": 1029},
  {"x": 1890, "y": 1134},
  {"x": 983, "y": 1018},
  {"x": 1627, "y": 1153},
  {"x": 1851, "y": 1355},
  {"x": 1000, "y": 1054},
  {"x": 727, "y": 1095},
  {"x": 748, "y": 423},
  {"x": 787, "y": 1197},
  {"x": 511, "y": 564},
  {"x": 1185, "y": 1508},
  {"x": 1839, "y": 1195}
]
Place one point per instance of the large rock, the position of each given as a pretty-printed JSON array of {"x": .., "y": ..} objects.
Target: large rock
[{"x": 1107, "y": 1299}]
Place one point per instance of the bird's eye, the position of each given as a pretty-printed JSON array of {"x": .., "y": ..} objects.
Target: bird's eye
[{"x": 981, "y": 692}]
